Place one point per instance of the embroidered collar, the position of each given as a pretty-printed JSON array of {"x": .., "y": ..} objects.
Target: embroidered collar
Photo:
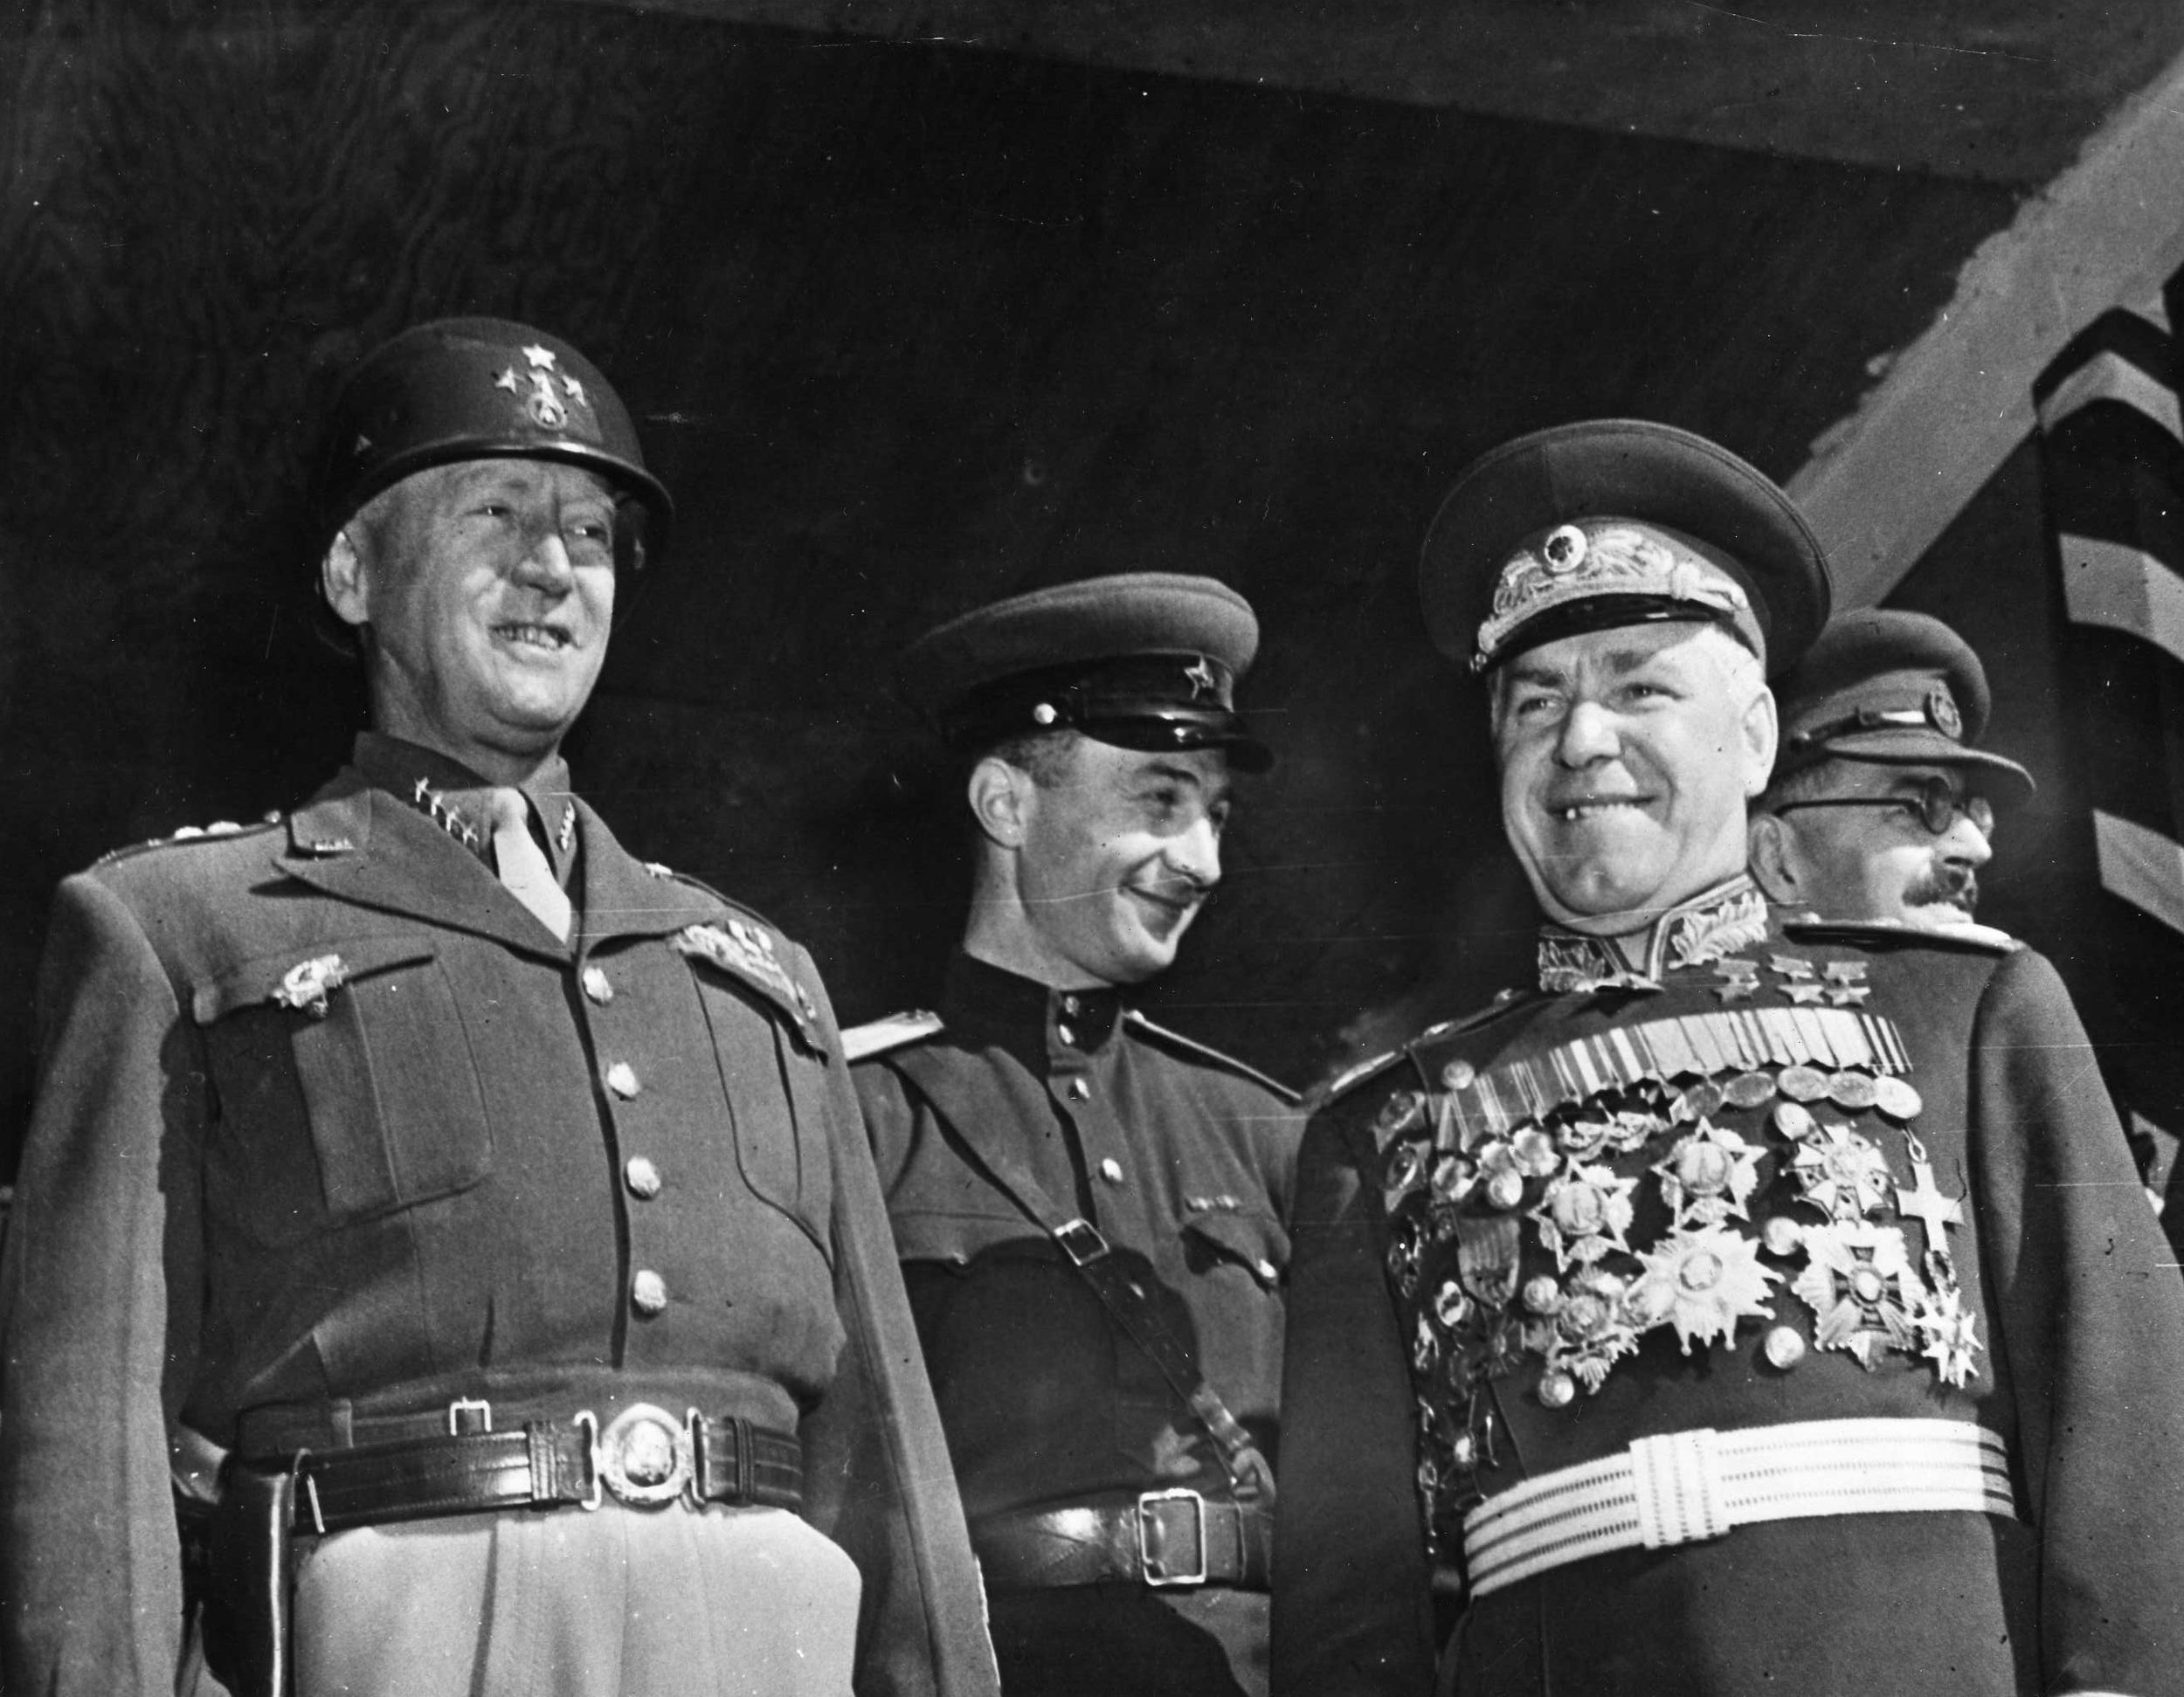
[{"x": 1710, "y": 926}]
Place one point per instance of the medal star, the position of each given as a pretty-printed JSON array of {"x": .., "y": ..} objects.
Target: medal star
[
  {"x": 1702, "y": 1283},
  {"x": 1950, "y": 1336},
  {"x": 1848, "y": 996},
  {"x": 1805, "y": 993},
  {"x": 1841, "y": 1173},
  {"x": 1592, "y": 1330},
  {"x": 1585, "y": 1214},
  {"x": 1857, "y": 1283},
  {"x": 1737, "y": 989},
  {"x": 542, "y": 359},
  {"x": 1709, "y": 1175}
]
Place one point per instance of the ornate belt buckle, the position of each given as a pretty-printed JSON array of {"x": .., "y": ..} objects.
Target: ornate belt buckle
[
  {"x": 643, "y": 1457},
  {"x": 1152, "y": 1529}
]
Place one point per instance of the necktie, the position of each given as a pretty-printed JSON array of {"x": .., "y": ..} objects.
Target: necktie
[{"x": 522, "y": 864}]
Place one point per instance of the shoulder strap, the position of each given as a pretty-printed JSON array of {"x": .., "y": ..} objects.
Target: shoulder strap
[
  {"x": 1212, "y": 1056},
  {"x": 893, "y": 1030},
  {"x": 1084, "y": 1247}
]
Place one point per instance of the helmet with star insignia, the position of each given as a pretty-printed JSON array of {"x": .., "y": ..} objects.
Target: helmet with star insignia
[{"x": 459, "y": 389}]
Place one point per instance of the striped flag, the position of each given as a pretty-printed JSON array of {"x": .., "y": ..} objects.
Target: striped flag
[{"x": 2111, "y": 436}]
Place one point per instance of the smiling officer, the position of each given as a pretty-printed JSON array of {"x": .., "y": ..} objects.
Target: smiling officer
[
  {"x": 1882, "y": 804},
  {"x": 1750, "y": 1303},
  {"x": 1089, "y": 1208},
  {"x": 455, "y": 1174}
]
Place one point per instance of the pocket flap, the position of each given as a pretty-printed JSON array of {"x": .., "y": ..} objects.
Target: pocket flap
[
  {"x": 1255, "y": 1240},
  {"x": 961, "y": 1239},
  {"x": 303, "y": 978}
]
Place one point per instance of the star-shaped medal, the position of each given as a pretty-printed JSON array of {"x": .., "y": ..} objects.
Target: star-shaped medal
[
  {"x": 1805, "y": 993},
  {"x": 1702, "y": 1283},
  {"x": 1585, "y": 1214},
  {"x": 1950, "y": 1336},
  {"x": 1709, "y": 1175},
  {"x": 1859, "y": 1285},
  {"x": 1840, "y": 1173}
]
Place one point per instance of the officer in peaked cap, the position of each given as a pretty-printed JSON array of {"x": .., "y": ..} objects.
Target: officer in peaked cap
[
  {"x": 478, "y": 1217},
  {"x": 1146, "y": 661},
  {"x": 1749, "y": 1301},
  {"x": 1089, "y": 1208},
  {"x": 1881, "y": 805}
]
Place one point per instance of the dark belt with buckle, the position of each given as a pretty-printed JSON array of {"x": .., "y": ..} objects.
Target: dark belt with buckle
[
  {"x": 644, "y": 1457},
  {"x": 1162, "y": 1539}
]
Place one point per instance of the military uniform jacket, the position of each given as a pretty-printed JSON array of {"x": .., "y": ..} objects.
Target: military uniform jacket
[
  {"x": 1182, "y": 1159},
  {"x": 330, "y": 1126},
  {"x": 1697, "y": 1198}
]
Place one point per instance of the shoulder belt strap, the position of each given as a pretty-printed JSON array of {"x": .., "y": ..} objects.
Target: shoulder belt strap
[
  {"x": 892, "y": 1031},
  {"x": 980, "y": 1115},
  {"x": 1198, "y": 1050}
]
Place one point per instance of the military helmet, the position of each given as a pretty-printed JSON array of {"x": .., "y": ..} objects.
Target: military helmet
[{"x": 459, "y": 389}]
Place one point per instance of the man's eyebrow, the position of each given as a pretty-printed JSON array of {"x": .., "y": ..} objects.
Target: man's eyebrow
[
  {"x": 1535, "y": 673},
  {"x": 1161, "y": 769}
]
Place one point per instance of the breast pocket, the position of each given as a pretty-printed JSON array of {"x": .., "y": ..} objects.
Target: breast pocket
[
  {"x": 344, "y": 1085},
  {"x": 1254, "y": 1243},
  {"x": 774, "y": 1091}
]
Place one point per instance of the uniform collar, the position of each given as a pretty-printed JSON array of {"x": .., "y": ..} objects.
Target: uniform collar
[
  {"x": 1714, "y": 924},
  {"x": 1040, "y": 1025},
  {"x": 452, "y": 796}
]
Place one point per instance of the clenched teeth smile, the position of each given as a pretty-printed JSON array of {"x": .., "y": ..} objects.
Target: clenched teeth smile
[
  {"x": 533, "y": 635},
  {"x": 1572, "y": 812}
]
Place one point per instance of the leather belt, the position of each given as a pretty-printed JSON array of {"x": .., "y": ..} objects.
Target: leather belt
[
  {"x": 1686, "y": 1486},
  {"x": 1162, "y": 1539},
  {"x": 645, "y": 1456}
]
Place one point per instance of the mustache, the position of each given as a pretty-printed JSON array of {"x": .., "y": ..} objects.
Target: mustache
[{"x": 1957, "y": 886}]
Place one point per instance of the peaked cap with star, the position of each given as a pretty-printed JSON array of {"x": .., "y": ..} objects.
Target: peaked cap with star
[{"x": 1143, "y": 660}]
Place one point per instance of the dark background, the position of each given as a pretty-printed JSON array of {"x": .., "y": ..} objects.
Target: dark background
[{"x": 907, "y": 327}]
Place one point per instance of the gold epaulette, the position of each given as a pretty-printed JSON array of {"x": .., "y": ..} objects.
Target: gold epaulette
[
  {"x": 1865, "y": 932},
  {"x": 893, "y": 1030}
]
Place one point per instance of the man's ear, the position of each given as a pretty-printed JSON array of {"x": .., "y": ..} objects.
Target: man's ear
[
  {"x": 1771, "y": 848},
  {"x": 343, "y": 579},
  {"x": 1761, "y": 734},
  {"x": 1002, "y": 798}
]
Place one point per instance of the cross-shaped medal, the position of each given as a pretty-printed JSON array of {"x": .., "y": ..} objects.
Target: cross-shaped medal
[{"x": 1926, "y": 1205}]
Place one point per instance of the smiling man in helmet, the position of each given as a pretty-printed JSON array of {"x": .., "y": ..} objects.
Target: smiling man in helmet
[{"x": 477, "y": 1216}]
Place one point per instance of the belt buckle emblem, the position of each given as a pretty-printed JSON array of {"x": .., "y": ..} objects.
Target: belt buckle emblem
[
  {"x": 643, "y": 1457},
  {"x": 1152, "y": 1530}
]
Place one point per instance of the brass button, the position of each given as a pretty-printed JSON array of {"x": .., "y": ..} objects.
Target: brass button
[
  {"x": 1070, "y": 1004},
  {"x": 643, "y": 1178},
  {"x": 621, "y": 1079},
  {"x": 1066, "y": 1034},
  {"x": 1112, "y": 1171},
  {"x": 1079, "y": 1090},
  {"x": 596, "y": 987},
  {"x": 648, "y": 1293}
]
